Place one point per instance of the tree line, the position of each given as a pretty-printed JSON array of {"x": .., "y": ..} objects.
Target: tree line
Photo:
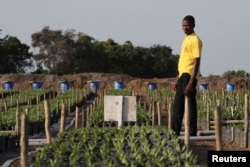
[
  {"x": 14, "y": 56},
  {"x": 70, "y": 52}
]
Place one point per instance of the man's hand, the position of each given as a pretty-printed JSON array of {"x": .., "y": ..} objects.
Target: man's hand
[
  {"x": 188, "y": 89},
  {"x": 174, "y": 86}
]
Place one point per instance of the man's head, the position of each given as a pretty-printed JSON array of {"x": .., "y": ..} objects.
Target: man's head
[{"x": 188, "y": 24}]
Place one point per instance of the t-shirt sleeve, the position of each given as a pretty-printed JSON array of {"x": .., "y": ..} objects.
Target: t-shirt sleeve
[{"x": 197, "y": 48}]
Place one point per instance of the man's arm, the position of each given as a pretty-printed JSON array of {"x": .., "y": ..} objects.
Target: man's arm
[
  {"x": 195, "y": 71},
  {"x": 174, "y": 86}
]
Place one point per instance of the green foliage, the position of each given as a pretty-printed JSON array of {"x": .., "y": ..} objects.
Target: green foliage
[
  {"x": 142, "y": 115},
  {"x": 70, "y": 52},
  {"x": 15, "y": 56},
  {"x": 239, "y": 73},
  {"x": 120, "y": 92},
  {"x": 28, "y": 100},
  {"x": 98, "y": 115},
  {"x": 127, "y": 146},
  {"x": 201, "y": 109}
]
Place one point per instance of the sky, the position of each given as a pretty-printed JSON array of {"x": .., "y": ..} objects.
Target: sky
[{"x": 222, "y": 25}]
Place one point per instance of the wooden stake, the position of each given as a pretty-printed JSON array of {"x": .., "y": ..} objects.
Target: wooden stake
[
  {"x": 63, "y": 112},
  {"x": 17, "y": 121},
  {"x": 153, "y": 113},
  {"x": 158, "y": 112},
  {"x": 218, "y": 127},
  {"x": 246, "y": 120},
  {"x": 47, "y": 121},
  {"x": 24, "y": 141},
  {"x": 170, "y": 115},
  {"x": 5, "y": 106},
  {"x": 84, "y": 115},
  {"x": 76, "y": 117},
  {"x": 208, "y": 115}
]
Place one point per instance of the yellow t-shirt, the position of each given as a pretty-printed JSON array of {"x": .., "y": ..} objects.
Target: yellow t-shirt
[{"x": 191, "y": 49}]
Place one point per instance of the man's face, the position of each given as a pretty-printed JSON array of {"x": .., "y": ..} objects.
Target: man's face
[{"x": 187, "y": 27}]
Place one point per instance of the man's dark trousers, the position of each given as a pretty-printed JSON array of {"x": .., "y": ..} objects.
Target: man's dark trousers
[{"x": 179, "y": 106}]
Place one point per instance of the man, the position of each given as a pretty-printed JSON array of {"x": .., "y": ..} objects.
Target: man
[{"x": 188, "y": 68}]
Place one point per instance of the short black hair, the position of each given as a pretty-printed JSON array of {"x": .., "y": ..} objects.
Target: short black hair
[{"x": 190, "y": 19}]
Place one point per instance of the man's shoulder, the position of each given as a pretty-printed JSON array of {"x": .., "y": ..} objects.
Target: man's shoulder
[{"x": 194, "y": 37}]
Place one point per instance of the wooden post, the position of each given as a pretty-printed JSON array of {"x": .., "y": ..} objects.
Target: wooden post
[
  {"x": 150, "y": 108},
  {"x": 37, "y": 99},
  {"x": 91, "y": 108},
  {"x": 47, "y": 121},
  {"x": 187, "y": 122},
  {"x": 83, "y": 117},
  {"x": 139, "y": 102},
  {"x": 5, "y": 106},
  {"x": 208, "y": 115},
  {"x": 24, "y": 141},
  {"x": 57, "y": 108},
  {"x": 153, "y": 113},
  {"x": 246, "y": 125},
  {"x": 76, "y": 117},
  {"x": 37, "y": 112},
  {"x": 63, "y": 115},
  {"x": 17, "y": 129},
  {"x": 87, "y": 114},
  {"x": 170, "y": 115},
  {"x": 94, "y": 105},
  {"x": 17, "y": 103},
  {"x": 218, "y": 126},
  {"x": 158, "y": 112},
  {"x": 98, "y": 100}
]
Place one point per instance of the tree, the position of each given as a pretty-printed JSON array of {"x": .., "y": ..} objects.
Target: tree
[
  {"x": 15, "y": 56},
  {"x": 164, "y": 63},
  {"x": 65, "y": 52},
  {"x": 83, "y": 57},
  {"x": 114, "y": 54},
  {"x": 233, "y": 73},
  {"x": 68, "y": 52},
  {"x": 53, "y": 49}
]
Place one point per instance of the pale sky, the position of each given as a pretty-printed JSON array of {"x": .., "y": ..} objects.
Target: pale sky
[{"x": 223, "y": 25}]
